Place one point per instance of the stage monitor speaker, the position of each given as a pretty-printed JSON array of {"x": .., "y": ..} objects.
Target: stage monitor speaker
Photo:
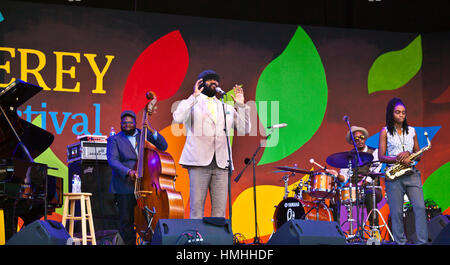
[
  {"x": 206, "y": 231},
  {"x": 41, "y": 232},
  {"x": 434, "y": 226},
  {"x": 95, "y": 178},
  {"x": 439, "y": 230},
  {"x": 308, "y": 232}
]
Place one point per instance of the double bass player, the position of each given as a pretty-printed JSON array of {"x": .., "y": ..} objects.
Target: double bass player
[{"x": 122, "y": 155}]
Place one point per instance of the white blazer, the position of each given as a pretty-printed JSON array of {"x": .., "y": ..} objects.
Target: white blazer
[{"x": 204, "y": 137}]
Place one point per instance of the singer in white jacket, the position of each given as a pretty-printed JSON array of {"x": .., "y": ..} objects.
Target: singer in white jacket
[{"x": 205, "y": 153}]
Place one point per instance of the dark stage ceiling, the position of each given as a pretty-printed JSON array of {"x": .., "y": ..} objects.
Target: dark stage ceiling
[{"x": 390, "y": 15}]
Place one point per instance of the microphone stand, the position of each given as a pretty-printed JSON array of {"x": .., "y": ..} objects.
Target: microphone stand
[
  {"x": 356, "y": 167},
  {"x": 230, "y": 169},
  {"x": 256, "y": 239}
]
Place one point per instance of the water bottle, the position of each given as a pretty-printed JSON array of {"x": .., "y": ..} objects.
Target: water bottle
[
  {"x": 76, "y": 184},
  {"x": 113, "y": 132}
]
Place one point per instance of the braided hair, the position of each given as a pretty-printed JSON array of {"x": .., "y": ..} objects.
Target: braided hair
[{"x": 390, "y": 115}]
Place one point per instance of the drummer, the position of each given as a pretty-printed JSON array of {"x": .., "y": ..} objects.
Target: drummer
[{"x": 360, "y": 135}]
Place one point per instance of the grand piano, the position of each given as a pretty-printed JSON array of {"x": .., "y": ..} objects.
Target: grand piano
[{"x": 26, "y": 190}]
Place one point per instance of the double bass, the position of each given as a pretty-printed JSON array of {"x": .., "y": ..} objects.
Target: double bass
[{"x": 155, "y": 182}]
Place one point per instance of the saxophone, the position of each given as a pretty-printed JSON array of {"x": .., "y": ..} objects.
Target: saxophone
[{"x": 399, "y": 169}]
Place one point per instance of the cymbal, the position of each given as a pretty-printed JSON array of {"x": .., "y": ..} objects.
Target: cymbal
[
  {"x": 293, "y": 169},
  {"x": 340, "y": 160}
]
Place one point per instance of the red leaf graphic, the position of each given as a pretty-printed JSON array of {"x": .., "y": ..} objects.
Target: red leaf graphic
[
  {"x": 443, "y": 98},
  {"x": 160, "y": 68}
]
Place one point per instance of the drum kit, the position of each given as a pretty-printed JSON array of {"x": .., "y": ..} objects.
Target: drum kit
[
  {"x": 311, "y": 196},
  {"x": 306, "y": 204}
]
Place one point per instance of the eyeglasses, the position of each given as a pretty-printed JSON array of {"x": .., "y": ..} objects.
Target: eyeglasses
[{"x": 362, "y": 137}]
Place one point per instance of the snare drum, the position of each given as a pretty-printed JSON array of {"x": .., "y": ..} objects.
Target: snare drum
[
  {"x": 348, "y": 195},
  {"x": 292, "y": 208},
  {"x": 322, "y": 185}
]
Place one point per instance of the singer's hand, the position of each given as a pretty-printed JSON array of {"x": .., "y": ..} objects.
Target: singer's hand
[
  {"x": 197, "y": 90},
  {"x": 238, "y": 94}
]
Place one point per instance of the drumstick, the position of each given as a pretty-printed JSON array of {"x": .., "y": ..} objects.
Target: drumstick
[{"x": 314, "y": 162}]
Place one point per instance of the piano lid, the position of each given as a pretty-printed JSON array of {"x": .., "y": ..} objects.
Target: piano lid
[
  {"x": 35, "y": 139},
  {"x": 17, "y": 93}
]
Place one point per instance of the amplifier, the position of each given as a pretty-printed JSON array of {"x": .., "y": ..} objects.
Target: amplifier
[{"x": 86, "y": 150}]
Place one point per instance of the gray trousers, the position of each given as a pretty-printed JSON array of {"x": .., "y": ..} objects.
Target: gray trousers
[
  {"x": 206, "y": 178},
  {"x": 396, "y": 189}
]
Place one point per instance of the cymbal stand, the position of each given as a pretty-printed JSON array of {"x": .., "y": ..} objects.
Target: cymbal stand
[
  {"x": 374, "y": 228},
  {"x": 286, "y": 179},
  {"x": 349, "y": 208},
  {"x": 359, "y": 228},
  {"x": 350, "y": 220},
  {"x": 357, "y": 164}
]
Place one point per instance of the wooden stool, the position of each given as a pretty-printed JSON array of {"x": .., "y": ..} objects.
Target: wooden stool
[{"x": 86, "y": 211}]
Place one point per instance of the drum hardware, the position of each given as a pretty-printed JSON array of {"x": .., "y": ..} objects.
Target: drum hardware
[
  {"x": 322, "y": 181},
  {"x": 356, "y": 159},
  {"x": 341, "y": 160},
  {"x": 349, "y": 207},
  {"x": 317, "y": 205},
  {"x": 298, "y": 191},
  {"x": 352, "y": 196},
  {"x": 294, "y": 208},
  {"x": 374, "y": 232},
  {"x": 337, "y": 160},
  {"x": 350, "y": 221},
  {"x": 285, "y": 178},
  {"x": 294, "y": 169}
]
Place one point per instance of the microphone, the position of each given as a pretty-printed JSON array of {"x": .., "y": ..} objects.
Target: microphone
[
  {"x": 247, "y": 160},
  {"x": 281, "y": 125},
  {"x": 219, "y": 90},
  {"x": 345, "y": 118}
]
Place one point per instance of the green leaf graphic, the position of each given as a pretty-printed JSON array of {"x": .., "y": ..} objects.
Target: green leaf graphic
[
  {"x": 394, "y": 69},
  {"x": 292, "y": 89},
  {"x": 437, "y": 186}
]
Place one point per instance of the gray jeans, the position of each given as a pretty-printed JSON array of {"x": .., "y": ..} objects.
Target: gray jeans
[
  {"x": 396, "y": 189},
  {"x": 206, "y": 178}
]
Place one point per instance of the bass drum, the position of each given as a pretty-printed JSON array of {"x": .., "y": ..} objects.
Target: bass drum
[{"x": 293, "y": 208}]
